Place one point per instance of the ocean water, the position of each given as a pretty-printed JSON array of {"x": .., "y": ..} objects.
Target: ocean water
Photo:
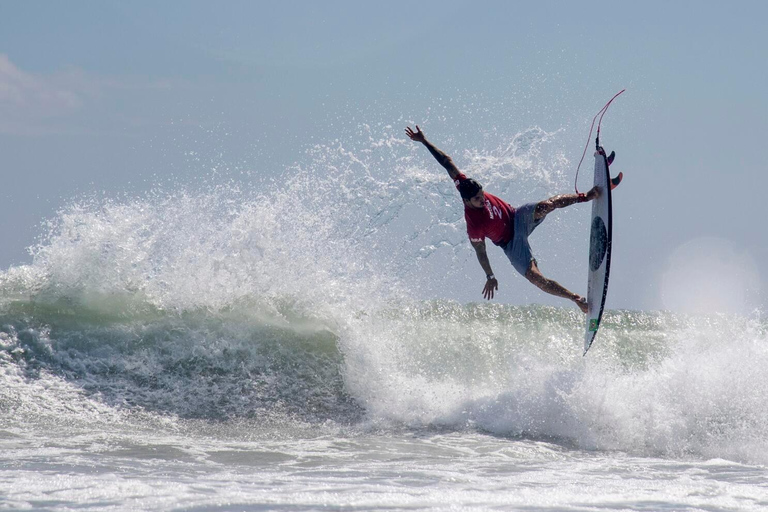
[{"x": 297, "y": 348}]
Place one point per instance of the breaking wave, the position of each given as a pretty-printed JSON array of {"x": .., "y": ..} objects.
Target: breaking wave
[{"x": 318, "y": 301}]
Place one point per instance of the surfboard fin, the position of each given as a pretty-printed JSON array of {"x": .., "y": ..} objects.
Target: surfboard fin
[{"x": 615, "y": 181}]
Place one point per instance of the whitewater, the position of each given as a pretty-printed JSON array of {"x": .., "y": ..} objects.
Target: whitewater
[{"x": 297, "y": 344}]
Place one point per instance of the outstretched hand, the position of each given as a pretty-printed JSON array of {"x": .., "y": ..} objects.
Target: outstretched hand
[
  {"x": 490, "y": 286},
  {"x": 417, "y": 136}
]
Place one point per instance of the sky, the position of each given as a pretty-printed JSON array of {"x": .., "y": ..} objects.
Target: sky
[{"x": 102, "y": 97}]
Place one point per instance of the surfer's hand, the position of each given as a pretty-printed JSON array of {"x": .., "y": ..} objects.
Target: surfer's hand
[
  {"x": 490, "y": 286},
  {"x": 417, "y": 136}
]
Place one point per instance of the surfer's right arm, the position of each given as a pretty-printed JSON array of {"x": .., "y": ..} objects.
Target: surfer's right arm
[
  {"x": 491, "y": 284},
  {"x": 442, "y": 158}
]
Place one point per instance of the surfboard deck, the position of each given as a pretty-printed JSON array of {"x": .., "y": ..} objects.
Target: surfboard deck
[{"x": 601, "y": 231}]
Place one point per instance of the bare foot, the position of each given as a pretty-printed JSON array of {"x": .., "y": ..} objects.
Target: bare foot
[
  {"x": 582, "y": 303},
  {"x": 593, "y": 193}
]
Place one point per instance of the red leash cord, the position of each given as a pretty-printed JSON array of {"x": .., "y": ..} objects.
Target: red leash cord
[{"x": 601, "y": 113}]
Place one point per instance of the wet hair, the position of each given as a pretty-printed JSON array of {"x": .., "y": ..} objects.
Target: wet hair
[{"x": 469, "y": 188}]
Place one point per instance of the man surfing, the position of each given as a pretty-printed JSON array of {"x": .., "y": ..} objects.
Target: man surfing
[{"x": 509, "y": 228}]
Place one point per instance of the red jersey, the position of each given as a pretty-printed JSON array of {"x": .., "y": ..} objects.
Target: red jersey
[{"x": 495, "y": 221}]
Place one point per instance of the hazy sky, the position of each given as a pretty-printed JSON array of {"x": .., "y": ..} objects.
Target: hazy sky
[{"x": 99, "y": 96}]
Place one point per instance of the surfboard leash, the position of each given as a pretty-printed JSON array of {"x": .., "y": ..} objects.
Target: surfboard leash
[{"x": 600, "y": 113}]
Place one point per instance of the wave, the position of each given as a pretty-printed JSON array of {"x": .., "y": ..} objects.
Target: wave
[
  {"x": 309, "y": 303},
  {"x": 657, "y": 383},
  {"x": 194, "y": 364}
]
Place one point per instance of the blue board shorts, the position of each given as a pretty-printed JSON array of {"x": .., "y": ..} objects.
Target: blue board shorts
[{"x": 518, "y": 250}]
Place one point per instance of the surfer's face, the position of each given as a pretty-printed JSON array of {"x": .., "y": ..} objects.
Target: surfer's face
[{"x": 476, "y": 201}]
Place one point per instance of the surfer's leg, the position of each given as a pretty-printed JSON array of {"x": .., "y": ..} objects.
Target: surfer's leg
[
  {"x": 547, "y": 206},
  {"x": 535, "y": 276},
  {"x": 518, "y": 250}
]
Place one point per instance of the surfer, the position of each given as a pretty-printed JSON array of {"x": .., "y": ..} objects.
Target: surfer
[{"x": 509, "y": 228}]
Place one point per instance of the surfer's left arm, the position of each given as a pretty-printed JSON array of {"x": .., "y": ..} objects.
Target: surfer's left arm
[
  {"x": 491, "y": 284},
  {"x": 442, "y": 158}
]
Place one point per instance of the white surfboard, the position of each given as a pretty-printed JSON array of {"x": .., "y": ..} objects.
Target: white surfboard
[{"x": 599, "y": 249}]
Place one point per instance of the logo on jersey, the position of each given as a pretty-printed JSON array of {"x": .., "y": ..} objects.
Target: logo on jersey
[{"x": 492, "y": 210}]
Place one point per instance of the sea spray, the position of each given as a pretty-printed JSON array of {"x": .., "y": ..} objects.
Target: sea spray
[{"x": 659, "y": 384}]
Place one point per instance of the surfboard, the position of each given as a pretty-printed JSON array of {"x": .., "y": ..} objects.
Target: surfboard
[{"x": 601, "y": 228}]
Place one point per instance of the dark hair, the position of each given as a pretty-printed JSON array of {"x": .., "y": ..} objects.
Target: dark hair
[{"x": 469, "y": 188}]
